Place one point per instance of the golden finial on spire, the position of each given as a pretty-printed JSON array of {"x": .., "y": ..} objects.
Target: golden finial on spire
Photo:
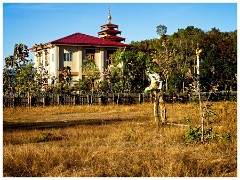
[{"x": 109, "y": 16}]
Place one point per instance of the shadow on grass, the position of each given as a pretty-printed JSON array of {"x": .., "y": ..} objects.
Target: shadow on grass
[{"x": 62, "y": 123}]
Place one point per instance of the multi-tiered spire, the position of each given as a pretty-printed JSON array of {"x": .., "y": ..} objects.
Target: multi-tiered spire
[{"x": 109, "y": 31}]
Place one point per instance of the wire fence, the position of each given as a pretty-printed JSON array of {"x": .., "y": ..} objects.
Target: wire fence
[{"x": 52, "y": 99}]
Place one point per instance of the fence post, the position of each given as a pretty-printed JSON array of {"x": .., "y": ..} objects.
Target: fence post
[
  {"x": 100, "y": 100},
  {"x": 113, "y": 98},
  {"x": 13, "y": 101},
  {"x": 43, "y": 100},
  {"x": 29, "y": 100},
  {"x": 58, "y": 100},
  {"x": 118, "y": 98},
  {"x": 74, "y": 100},
  {"x": 89, "y": 99},
  {"x": 140, "y": 98}
]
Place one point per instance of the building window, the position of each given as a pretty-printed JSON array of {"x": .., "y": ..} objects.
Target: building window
[
  {"x": 90, "y": 53},
  {"x": 68, "y": 56}
]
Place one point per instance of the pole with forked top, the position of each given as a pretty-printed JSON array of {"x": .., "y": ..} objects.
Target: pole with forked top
[{"x": 159, "y": 105}]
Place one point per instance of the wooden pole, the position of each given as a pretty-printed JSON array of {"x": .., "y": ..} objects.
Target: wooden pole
[
  {"x": 43, "y": 100},
  {"x": 162, "y": 109},
  {"x": 159, "y": 109},
  {"x": 199, "y": 92},
  {"x": 155, "y": 107}
]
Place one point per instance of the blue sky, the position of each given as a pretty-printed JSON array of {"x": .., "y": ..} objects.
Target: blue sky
[{"x": 43, "y": 22}]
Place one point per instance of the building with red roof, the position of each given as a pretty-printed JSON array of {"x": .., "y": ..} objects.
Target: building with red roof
[{"x": 72, "y": 50}]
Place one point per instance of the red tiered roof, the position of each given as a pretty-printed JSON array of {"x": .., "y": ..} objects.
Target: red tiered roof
[
  {"x": 109, "y": 25},
  {"x": 84, "y": 39},
  {"x": 109, "y": 31}
]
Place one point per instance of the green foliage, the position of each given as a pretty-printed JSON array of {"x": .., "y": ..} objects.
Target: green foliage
[
  {"x": 64, "y": 84},
  {"x": 219, "y": 62},
  {"x": 209, "y": 113},
  {"x": 19, "y": 72},
  {"x": 174, "y": 58},
  {"x": 90, "y": 69},
  {"x": 103, "y": 87},
  {"x": 194, "y": 134},
  {"x": 161, "y": 30},
  {"x": 129, "y": 69},
  {"x": 83, "y": 86},
  {"x": 92, "y": 73}
]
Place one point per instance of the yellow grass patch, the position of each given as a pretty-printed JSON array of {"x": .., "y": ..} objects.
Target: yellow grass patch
[{"x": 134, "y": 147}]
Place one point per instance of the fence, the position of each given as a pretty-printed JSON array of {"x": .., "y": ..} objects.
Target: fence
[{"x": 51, "y": 99}]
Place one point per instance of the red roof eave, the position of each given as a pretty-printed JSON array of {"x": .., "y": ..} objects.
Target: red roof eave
[
  {"x": 109, "y": 25},
  {"x": 85, "y": 40},
  {"x": 109, "y": 31},
  {"x": 114, "y": 37},
  {"x": 97, "y": 45}
]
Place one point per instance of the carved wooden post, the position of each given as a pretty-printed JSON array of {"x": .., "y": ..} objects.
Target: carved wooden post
[
  {"x": 159, "y": 108},
  {"x": 162, "y": 109},
  {"x": 156, "y": 105}
]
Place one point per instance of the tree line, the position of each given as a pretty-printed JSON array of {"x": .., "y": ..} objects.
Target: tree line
[{"x": 173, "y": 57}]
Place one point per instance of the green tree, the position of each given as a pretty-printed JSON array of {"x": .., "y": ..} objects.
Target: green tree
[
  {"x": 19, "y": 72},
  {"x": 219, "y": 60},
  {"x": 20, "y": 75},
  {"x": 92, "y": 74},
  {"x": 161, "y": 30},
  {"x": 64, "y": 83},
  {"x": 128, "y": 73}
]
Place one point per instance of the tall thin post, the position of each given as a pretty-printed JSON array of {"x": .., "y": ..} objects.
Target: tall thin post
[
  {"x": 156, "y": 105},
  {"x": 198, "y": 52},
  {"x": 201, "y": 113}
]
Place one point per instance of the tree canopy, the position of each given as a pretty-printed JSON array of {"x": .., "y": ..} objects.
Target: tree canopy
[{"x": 161, "y": 30}]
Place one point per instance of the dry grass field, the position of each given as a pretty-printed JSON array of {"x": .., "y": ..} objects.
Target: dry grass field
[{"x": 120, "y": 141}]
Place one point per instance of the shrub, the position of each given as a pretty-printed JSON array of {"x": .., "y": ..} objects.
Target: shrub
[{"x": 194, "y": 134}]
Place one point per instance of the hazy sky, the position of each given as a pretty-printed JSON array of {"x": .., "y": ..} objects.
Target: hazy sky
[{"x": 31, "y": 23}]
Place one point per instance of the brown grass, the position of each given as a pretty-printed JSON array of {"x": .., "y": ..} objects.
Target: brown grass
[{"x": 131, "y": 148}]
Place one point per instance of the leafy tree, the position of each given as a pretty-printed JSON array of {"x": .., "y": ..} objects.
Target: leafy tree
[
  {"x": 64, "y": 83},
  {"x": 83, "y": 86},
  {"x": 161, "y": 30},
  {"x": 92, "y": 73},
  {"x": 174, "y": 57},
  {"x": 219, "y": 62},
  {"x": 19, "y": 72},
  {"x": 128, "y": 73},
  {"x": 20, "y": 75}
]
